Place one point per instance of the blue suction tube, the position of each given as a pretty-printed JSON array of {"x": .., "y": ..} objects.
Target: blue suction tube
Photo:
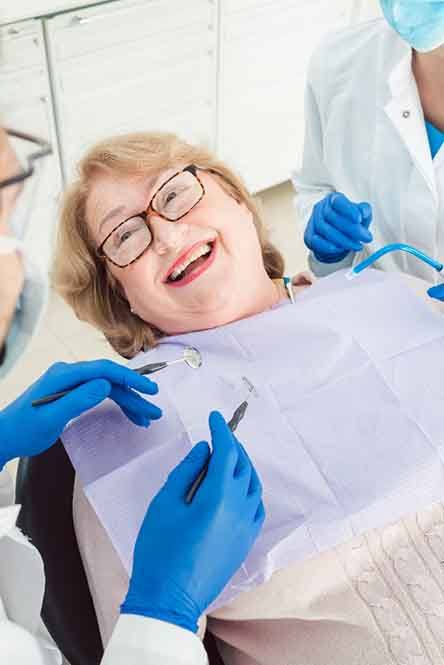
[{"x": 395, "y": 247}]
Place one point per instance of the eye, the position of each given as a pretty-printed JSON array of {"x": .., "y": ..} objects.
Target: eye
[
  {"x": 125, "y": 236},
  {"x": 170, "y": 197},
  {"x": 128, "y": 231}
]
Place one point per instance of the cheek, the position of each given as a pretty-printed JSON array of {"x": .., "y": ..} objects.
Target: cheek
[
  {"x": 244, "y": 241},
  {"x": 134, "y": 280}
]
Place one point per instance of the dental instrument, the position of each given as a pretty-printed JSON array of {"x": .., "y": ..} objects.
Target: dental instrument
[
  {"x": 288, "y": 288},
  {"x": 191, "y": 356},
  {"x": 394, "y": 247},
  {"x": 236, "y": 418}
]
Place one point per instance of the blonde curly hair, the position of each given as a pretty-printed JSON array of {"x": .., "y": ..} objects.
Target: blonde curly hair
[{"x": 83, "y": 279}]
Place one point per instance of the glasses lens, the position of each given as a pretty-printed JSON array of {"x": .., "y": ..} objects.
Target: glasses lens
[
  {"x": 178, "y": 196},
  {"x": 128, "y": 241}
]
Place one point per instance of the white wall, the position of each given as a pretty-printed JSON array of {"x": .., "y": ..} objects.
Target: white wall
[{"x": 227, "y": 73}]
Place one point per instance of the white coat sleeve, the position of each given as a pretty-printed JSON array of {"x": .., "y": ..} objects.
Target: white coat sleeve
[
  {"x": 6, "y": 489},
  {"x": 313, "y": 181},
  {"x": 138, "y": 640},
  {"x": 23, "y": 638}
]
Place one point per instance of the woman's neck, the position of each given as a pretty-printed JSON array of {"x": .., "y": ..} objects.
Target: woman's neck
[
  {"x": 268, "y": 294},
  {"x": 428, "y": 69}
]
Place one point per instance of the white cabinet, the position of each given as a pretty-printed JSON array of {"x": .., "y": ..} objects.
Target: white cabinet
[
  {"x": 265, "y": 49},
  {"x": 25, "y": 103},
  {"x": 134, "y": 65},
  {"x": 227, "y": 73},
  {"x": 17, "y": 10}
]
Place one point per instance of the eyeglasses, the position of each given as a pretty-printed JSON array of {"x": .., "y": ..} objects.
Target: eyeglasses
[
  {"x": 44, "y": 150},
  {"x": 172, "y": 201}
]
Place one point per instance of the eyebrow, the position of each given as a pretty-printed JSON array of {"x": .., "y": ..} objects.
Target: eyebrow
[{"x": 112, "y": 213}]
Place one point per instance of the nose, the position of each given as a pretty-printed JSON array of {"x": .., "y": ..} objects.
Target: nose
[{"x": 167, "y": 235}]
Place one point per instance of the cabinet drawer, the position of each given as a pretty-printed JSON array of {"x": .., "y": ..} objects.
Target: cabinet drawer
[
  {"x": 145, "y": 63},
  {"x": 96, "y": 29},
  {"x": 133, "y": 66},
  {"x": 16, "y": 10},
  {"x": 21, "y": 46}
]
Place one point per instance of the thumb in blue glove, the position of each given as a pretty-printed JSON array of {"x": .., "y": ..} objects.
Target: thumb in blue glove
[
  {"x": 336, "y": 227},
  {"x": 186, "y": 553},
  {"x": 26, "y": 430},
  {"x": 437, "y": 292}
]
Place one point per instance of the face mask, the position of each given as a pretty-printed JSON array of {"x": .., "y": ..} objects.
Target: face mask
[{"x": 418, "y": 22}]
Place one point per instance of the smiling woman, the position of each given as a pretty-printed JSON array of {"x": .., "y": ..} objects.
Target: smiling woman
[
  {"x": 163, "y": 238},
  {"x": 158, "y": 237}
]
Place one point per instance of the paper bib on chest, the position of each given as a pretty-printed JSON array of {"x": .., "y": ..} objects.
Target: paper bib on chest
[{"x": 346, "y": 432}]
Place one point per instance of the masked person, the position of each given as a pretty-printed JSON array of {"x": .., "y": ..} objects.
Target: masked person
[
  {"x": 373, "y": 167},
  {"x": 11, "y": 263},
  {"x": 185, "y": 552},
  {"x": 22, "y": 287}
]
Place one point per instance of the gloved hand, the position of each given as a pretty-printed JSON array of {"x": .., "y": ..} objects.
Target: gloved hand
[
  {"x": 27, "y": 430},
  {"x": 437, "y": 292},
  {"x": 186, "y": 553},
  {"x": 336, "y": 227}
]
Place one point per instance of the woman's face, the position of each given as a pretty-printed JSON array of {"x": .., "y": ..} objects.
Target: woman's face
[{"x": 215, "y": 288}]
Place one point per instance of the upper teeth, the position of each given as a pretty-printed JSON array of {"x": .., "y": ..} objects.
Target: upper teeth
[{"x": 200, "y": 251}]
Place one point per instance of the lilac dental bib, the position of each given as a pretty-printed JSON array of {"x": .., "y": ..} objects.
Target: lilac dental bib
[{"x": 346, "y": 432}]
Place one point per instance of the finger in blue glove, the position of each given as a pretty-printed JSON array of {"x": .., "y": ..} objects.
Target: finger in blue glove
[
  {"x": 437, "y": 292},
  {"x": 26, "y": 430},
  {"x": 336, "y": 227},
  {"x": 187, "y": 552}
]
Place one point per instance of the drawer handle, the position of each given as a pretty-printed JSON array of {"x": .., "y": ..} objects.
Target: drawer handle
[
  {"x": 13, "y": 31},
  {"x": 81, "y": 20}
]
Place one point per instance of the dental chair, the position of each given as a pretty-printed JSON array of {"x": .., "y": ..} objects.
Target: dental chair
[{"x": 44, "y": 488}]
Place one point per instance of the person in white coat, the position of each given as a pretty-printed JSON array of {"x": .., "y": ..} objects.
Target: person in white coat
[
  {"x": 185, "y": 552},
  {"x": 373, "y": 165},
  {"x": 24, "y": 286},
  {"x": 11, "y": 265}
]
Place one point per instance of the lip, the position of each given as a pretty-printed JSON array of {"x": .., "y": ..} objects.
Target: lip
[{"x": 195, "y": 273}]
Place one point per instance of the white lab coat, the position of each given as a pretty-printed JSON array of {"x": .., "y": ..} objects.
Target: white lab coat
[
  {"x": 366, "y": 137},
  {"x": 23, "y": 637}
]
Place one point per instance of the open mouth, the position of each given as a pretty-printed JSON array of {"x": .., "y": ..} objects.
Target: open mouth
[{"x": 193, "y": 265}]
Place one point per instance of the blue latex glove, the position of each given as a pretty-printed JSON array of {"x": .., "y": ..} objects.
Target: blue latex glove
[
  {"x": 336, "y": 227},
  {"x": 186, "y": 553},
  {"x": 27, "y": 430},
  {"x": 437, "y": 292}
]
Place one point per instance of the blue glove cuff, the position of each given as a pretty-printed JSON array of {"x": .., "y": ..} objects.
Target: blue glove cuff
[
  {"x": 161, "y": 599},
  {"x": 162, "y": 615}
]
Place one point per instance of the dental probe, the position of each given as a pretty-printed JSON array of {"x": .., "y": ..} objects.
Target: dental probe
[
  {"x": 395, "y": 247},
  {"x": 236, "y": 418},
  {"x": 191, "y": 357}
]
